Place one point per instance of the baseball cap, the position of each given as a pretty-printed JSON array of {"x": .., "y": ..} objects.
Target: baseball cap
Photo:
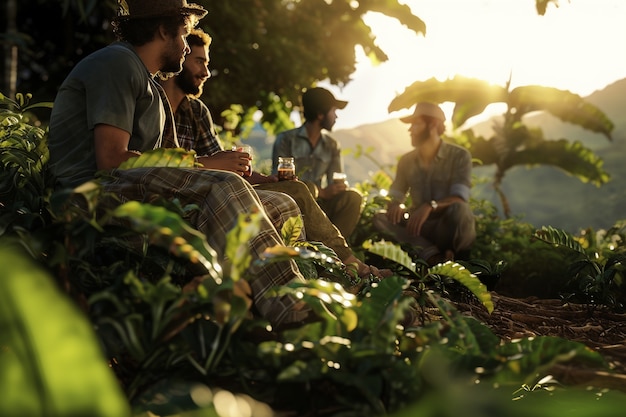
[
  {"x": 320, "y": 99},
  {"x": 425, "y": 108}
]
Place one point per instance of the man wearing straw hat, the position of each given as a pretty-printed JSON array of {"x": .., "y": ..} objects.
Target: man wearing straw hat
[{"x": 110, "y": 109}]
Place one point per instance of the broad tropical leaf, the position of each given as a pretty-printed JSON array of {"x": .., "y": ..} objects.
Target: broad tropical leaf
[
  {"x": 571, "y": 157},
  {"x": 563, "y": 104},
  {"x": 461, "y": 274},
  {"x": 471, "y": 96},
  {"x": 237, "y": 243},
  {"x": 50, "y": 362},
  {"x": 524, "y": 359},
  {"x": 170, "y": 231},
  {"x": 558, "y": 237},
  {"x": 391, "y": 251},
  {"x": 162, "y": 157}
]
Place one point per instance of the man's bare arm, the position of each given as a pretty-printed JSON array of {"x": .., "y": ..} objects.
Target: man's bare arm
[{"x": 111, "y": 146}]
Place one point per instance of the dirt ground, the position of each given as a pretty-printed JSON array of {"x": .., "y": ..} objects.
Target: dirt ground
[{"x": 600, "y": 330}]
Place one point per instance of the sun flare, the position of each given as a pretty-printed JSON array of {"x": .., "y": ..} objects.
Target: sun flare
[{"x": 577, "y": 47}]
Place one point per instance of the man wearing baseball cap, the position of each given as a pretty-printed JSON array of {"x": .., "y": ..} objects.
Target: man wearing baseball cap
[
  {"x": 437, "y": 177},
  {"x": 317, "y": 156},
  {"x": 110, "y": 109}
]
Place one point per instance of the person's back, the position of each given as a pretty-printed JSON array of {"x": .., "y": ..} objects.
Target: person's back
[{"x": 113, "y": 78}]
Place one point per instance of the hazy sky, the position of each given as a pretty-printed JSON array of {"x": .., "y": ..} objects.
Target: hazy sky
[{"x": 578, "y": 47}]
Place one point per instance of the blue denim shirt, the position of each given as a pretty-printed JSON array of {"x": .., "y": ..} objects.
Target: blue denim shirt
[
  {"x": 312, "y": 164},
  {"x": 449, "y": 174}
]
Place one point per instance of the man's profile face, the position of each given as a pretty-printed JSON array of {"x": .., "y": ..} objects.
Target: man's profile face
[
  {"x": 419, "y": 131},
  {"x": 329, "y": 119},
  {"x": 175, "y": 51},
  {"x": 195, "y": 71}
]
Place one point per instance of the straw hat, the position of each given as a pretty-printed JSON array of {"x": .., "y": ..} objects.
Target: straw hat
[{"x": 141, "y": 9}]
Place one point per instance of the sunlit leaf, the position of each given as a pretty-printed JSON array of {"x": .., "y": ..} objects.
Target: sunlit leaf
[{"x": 50, "y": 361}]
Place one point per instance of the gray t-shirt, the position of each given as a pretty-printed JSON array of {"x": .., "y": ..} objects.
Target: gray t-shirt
[{"x": 111, "y": 86}]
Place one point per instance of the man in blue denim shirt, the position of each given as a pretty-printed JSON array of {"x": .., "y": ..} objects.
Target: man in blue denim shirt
[
  {"x": 437, "y": 175},
  {"x": 318, "y": 156}
]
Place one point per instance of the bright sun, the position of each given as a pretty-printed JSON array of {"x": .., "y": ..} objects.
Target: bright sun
[{"x": 576, "y": 47}]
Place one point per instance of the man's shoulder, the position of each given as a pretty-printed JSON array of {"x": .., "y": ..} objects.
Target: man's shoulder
[
  {"x": 117, "y": 55},
  {"x": 327, "y": 137},
  {"x": 197, "y": 105},
  {"x": 456, "y": 149},
  {"x": 412, "y": 154},
  {"x": 287, "y": 134}
]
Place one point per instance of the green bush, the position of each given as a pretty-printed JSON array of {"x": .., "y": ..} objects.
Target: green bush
[{"x": 178, "y": 349}]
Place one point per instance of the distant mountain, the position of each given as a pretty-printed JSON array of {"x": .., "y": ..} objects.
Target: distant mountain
[{"x": 543, "y": 195}]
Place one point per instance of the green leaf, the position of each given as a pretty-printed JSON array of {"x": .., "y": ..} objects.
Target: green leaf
[
  {"x": 523, "y": 359},
  {"x": 391, "y": 251},
  {"x": 563, "y": 104},
  {"x": 558, "y": 237},
  {"x": 571, "y": 157},
  {"x": 50, "y": 361},
  {"x": 461, "y": 274},
  {"x": 170, "y": 231},
  {"x": 162, "y": 157},
  {"x": 291, "y": 230},
  {"x": 237, "y": 243},
  {"x": 471, "y": 96}
]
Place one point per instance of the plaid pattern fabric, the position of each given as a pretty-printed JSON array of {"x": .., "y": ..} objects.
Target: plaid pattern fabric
[
  {"x": 279, "y": 208},
  {"x": 221, "y": 196},
  {"x": 195, "y": 128},
  {"x": 195, "y": 131}
]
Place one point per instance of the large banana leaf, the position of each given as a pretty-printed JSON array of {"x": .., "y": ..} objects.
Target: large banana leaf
[
  {"x": 572, "y": 158},
  {"x": 50, "y": 362},
  {"x": 401, "y": 12},
  {"x": 471, "y": 96},
  {"x": 563, "y": 104}
]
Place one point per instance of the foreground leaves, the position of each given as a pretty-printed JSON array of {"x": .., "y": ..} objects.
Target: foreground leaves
[{"x": 50, "y": 361}]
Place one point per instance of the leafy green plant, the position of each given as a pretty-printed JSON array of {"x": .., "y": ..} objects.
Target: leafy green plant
[
  {"x": 24, "y": 179},
  {"x": 596, "y": 280},
  {"x": 175, "y": 325}
]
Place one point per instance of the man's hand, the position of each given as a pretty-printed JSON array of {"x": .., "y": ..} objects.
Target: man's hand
[
  {"x": 238, "y": 162},
  {"x": 332, "y": 190},
  {"x": 417, "y": 219},
  {"x": 395, "y": 212}
]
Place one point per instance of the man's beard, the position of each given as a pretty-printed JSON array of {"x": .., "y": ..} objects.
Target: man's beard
[
  {"x": 422, "y": 137},
  {"x": 172, "y": 60},
  {"x": 185, "y": 81},
  {"x": 172, "y": 65},
  {"x": 327, "y": 124}
]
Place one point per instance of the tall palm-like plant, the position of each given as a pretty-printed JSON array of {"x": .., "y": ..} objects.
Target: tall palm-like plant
[{"x": 513, "y": 143}]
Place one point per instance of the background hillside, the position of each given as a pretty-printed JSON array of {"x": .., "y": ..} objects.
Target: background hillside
[{"x": 541, "y": 195}]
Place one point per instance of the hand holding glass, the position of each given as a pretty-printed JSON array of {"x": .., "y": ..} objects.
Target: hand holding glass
[
  {"x": 340, "y": 178},
  {"x": 245, "y": 149}
]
